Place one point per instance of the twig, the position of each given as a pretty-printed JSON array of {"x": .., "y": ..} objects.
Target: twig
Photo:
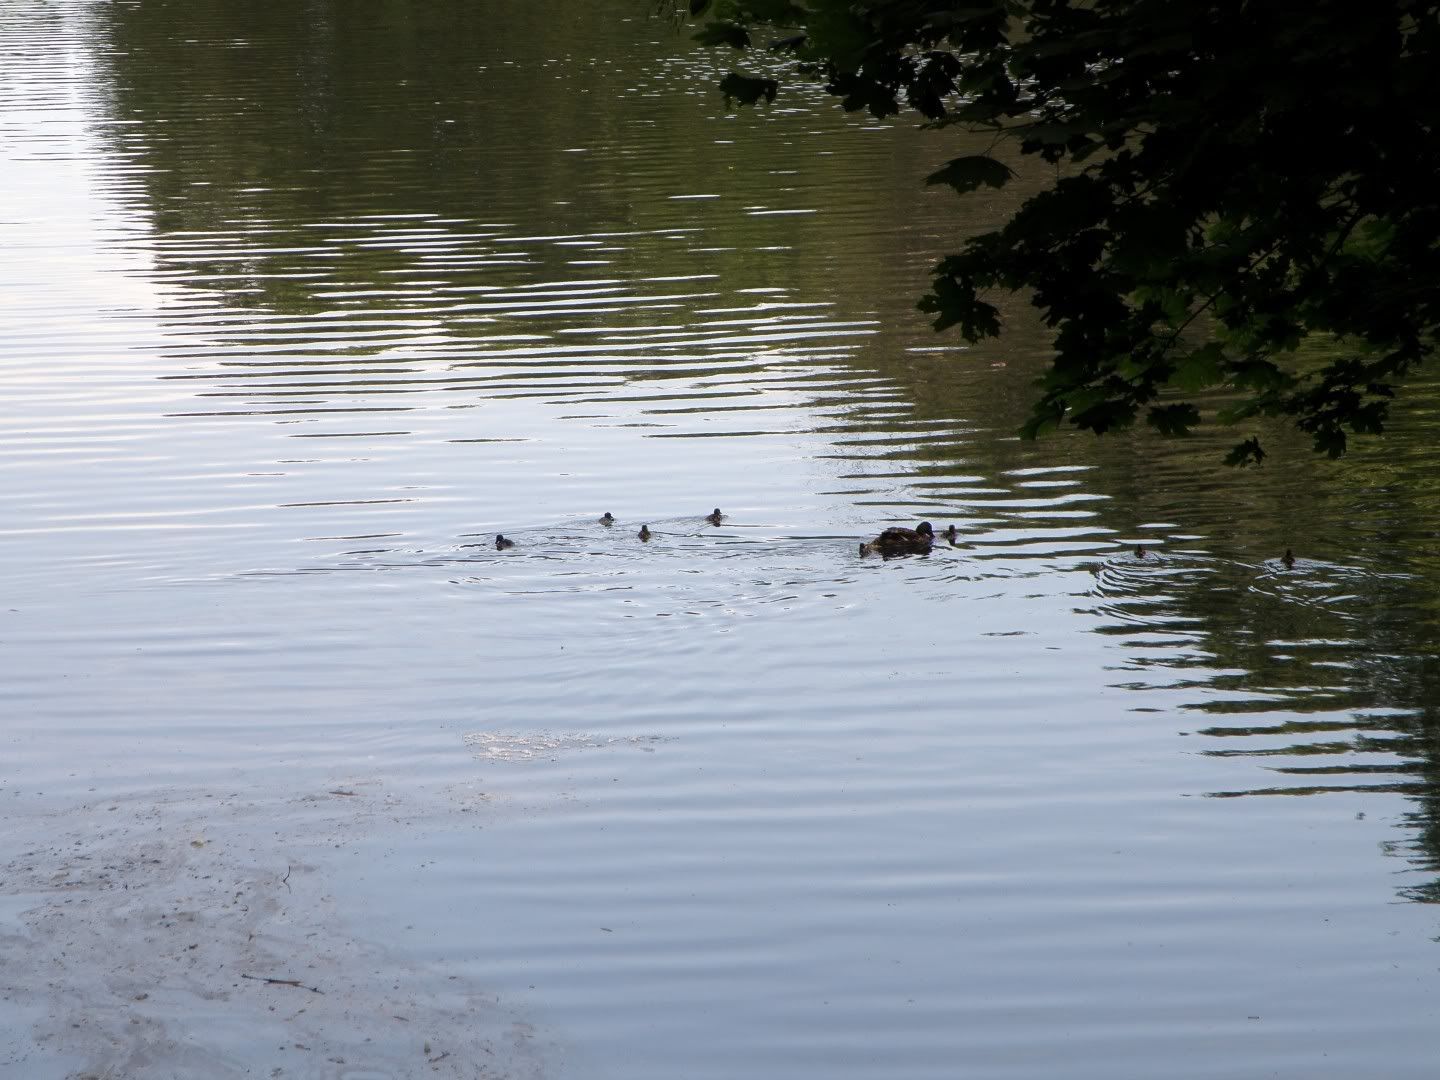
[{"x": 282, "y": 982}]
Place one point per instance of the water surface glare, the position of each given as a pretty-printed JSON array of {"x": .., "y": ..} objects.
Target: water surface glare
[{"x": 303, "y": 305}]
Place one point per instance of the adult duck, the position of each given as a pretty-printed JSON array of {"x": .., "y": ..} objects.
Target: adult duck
[{"x": 897, "y": 541}]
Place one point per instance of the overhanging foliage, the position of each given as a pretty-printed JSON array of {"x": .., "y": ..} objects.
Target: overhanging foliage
[{"x": 1233, "y": 179}]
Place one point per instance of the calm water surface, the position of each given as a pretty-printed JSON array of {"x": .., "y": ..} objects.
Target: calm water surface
[{"x": 302, "y": 304}]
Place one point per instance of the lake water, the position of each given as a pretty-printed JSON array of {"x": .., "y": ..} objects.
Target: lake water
[{"x": 303, "y": 304}]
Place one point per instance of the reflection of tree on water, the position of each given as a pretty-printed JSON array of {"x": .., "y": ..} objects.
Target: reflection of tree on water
[
  {"x": 1325, "y": 666},
  {"x": 409, "y": 165},
  {"x": 484, "y": 120},
  {"x": 428, "y": 192}
]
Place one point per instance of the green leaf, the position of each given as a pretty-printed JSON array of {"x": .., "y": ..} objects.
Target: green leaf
[
  {"x": 1260, "y": 375},
  {"x": 837, "y": 34},
  {"x": 1042, "y": 421},
  {"x": 1330, "y": 441},
  {"x": 1249, "y": 452},
  {"x": 954, "y": 303},
  {"x": 723, "y": 33},
  {"x": 747, "y": 89},
  {"x": 1200, "y": 369},
  {"x": 965, "y": 174},
  {"x": 1173, "y": 419}
]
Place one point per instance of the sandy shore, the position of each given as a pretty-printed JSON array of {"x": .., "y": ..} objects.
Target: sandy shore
[{"x": 195, "y": 934}]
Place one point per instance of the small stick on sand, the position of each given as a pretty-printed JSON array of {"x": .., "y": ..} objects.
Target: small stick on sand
[{"x": 282, "y": 982}]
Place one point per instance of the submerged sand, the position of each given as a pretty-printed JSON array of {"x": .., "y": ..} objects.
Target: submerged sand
[{"x": 196, "y": 934}]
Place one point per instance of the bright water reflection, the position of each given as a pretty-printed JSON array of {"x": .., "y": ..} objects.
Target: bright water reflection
[{"x": 305, "y": 303}]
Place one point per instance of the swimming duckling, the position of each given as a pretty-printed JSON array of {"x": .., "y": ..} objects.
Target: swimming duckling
[
  {"x": 898, "y": 541},
  {"x": 1288, "y": 559},
  {"x": 607, "y": 518},
  {"x": 950, "y": 534},
  {"x": 644, "y": 532},
  {"x": 1141, "y": 551},
  {"x": 501, "y": 543},
  {"x": 715, "y": 517}
]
